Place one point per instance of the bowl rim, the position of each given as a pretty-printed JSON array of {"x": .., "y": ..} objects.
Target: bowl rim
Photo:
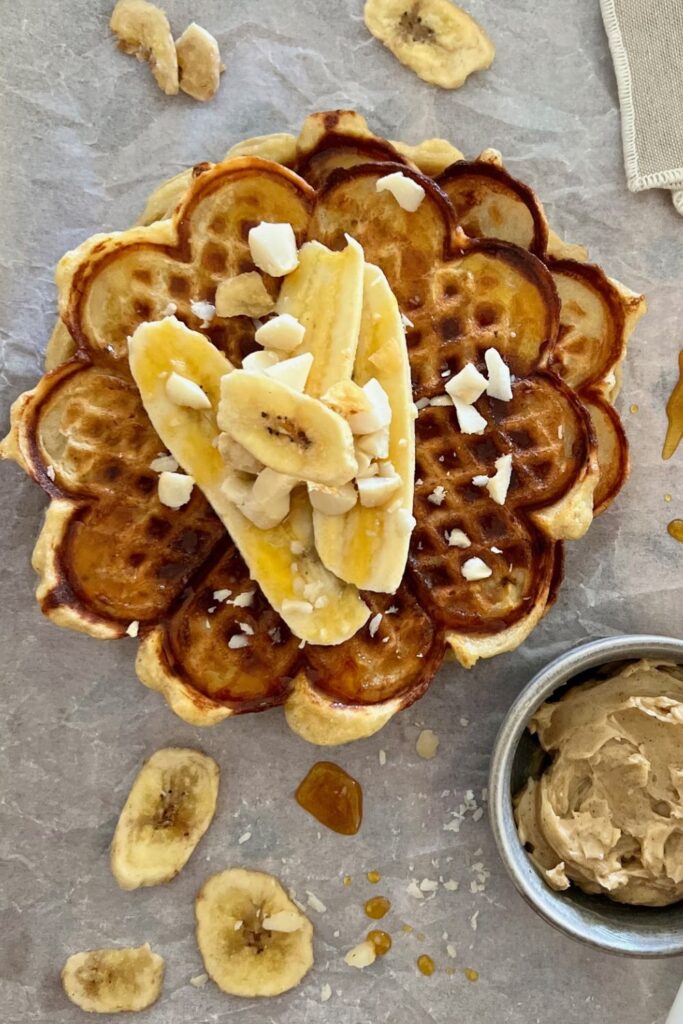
[{"x": 556, "y": 911}]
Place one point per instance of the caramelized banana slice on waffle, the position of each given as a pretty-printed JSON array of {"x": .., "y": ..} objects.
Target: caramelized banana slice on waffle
[
  {"x": 597, "y": 314},
  {"x": 467, "y": 524},
  {"x": 331, "y": 695},
  {"x": 489, "y": 203},
  {"x": 597, "y": 317},
  {"x": 83, "y": 435},
  {"x": 461, "y": 297},
  {"x": 112, "y": 283},
  {"x": 339, "y": 139},
  {"x": 338, "y": 697},
  {"x": 223, "y": 650}
]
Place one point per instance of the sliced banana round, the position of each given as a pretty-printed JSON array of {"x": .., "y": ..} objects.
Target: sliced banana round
[
  {"x": 253, "y": 940},
  {"x": 168, "y": 810},
  {"x": 113, "y": 980},
  {"x": 288, "y": 431},
  {"x": 439, "y": 41}
]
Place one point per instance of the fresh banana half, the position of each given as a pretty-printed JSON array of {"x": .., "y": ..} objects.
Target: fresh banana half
[
  {"x": 439, "y": 41},
  {"x": 307, "y": 452},
  {"x": 169, "y": 808},
  {"x": 280, "y": 556},
  {"x": 113, "y": 980},
  {"x": 253, "y": 939},
  {"x": 368, "y": 544}
]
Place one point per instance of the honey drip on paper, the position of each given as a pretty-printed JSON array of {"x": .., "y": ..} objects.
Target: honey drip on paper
[
  {"x": 425, "y": 965},
  {"x": 373, "y": 877},
  {"x": 471, "y": 974},
  {"x": 377, "y": 907},
  {"x": 333, "y": 797},
  {"x": 380, "y": 940},
  {"x": 675, "y": 529},
  {"x": 674, "y": 412}
]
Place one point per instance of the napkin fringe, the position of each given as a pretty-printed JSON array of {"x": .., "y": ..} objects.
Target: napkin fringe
[{"x": 636, "y": 181}]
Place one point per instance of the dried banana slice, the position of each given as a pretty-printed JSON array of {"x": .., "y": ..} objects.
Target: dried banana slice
[
  {"x": 337, "y": 610},
  {"x": 113, "y": 980},
  {"x": 199, "y": 63},
  {"x": 168, "y": 810},
  {"x": 253, "y": 940},
  {"x": 143, "y": 30},
  {"x": 368, "y": 546},
  {"x": 287, "y": 431},
  {"x": 439, "y": 41}
]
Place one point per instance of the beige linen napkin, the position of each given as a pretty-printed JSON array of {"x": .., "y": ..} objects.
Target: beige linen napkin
[{"x": 646, "y": 40}]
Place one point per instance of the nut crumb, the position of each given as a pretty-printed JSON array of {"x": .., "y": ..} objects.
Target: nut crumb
[
  {"x": 427, "y": 744},
  {"x": 315, "y": 903},
  {"x": 361, "y": 955}
]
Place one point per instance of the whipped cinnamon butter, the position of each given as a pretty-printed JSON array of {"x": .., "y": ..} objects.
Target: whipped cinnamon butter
[{"x": 607, "y": 813}]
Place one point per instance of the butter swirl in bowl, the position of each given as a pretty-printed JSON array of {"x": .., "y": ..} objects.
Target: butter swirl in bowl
[{"x": 587, "y": 794}]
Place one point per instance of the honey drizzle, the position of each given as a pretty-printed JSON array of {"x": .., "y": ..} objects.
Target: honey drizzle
[
  {"x": 333, "y": 797},
  {"x": 674, "y": 412},
  {"x": 377, "y": 907},
  {"x": 380, "y": 940},
  {"x": 425, "y": 965},
  {"x": 675, "y": 529}
]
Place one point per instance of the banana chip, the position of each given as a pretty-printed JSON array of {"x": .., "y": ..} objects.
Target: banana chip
[
  {"x": 199, "y": 63},
  {"x": 168, "y": 810},
  {"x": 439, "y": 41},
  {"x": 143, "y": 30},
  {"x": 253, "y": 940},
  {"x": 113, "y": 980}
]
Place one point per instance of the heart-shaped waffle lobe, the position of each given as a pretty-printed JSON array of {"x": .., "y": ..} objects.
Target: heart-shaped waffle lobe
[{"x": 111, "y": 554}]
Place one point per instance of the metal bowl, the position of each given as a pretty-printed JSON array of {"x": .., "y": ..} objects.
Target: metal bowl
[{"x": 596, "y": 920}]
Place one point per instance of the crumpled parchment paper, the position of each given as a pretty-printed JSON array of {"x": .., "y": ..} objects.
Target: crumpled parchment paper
[{"x": 86, "y": 136}]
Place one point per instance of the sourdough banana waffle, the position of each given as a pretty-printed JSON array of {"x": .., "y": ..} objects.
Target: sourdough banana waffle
[{"x": 84, "y": 436}]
